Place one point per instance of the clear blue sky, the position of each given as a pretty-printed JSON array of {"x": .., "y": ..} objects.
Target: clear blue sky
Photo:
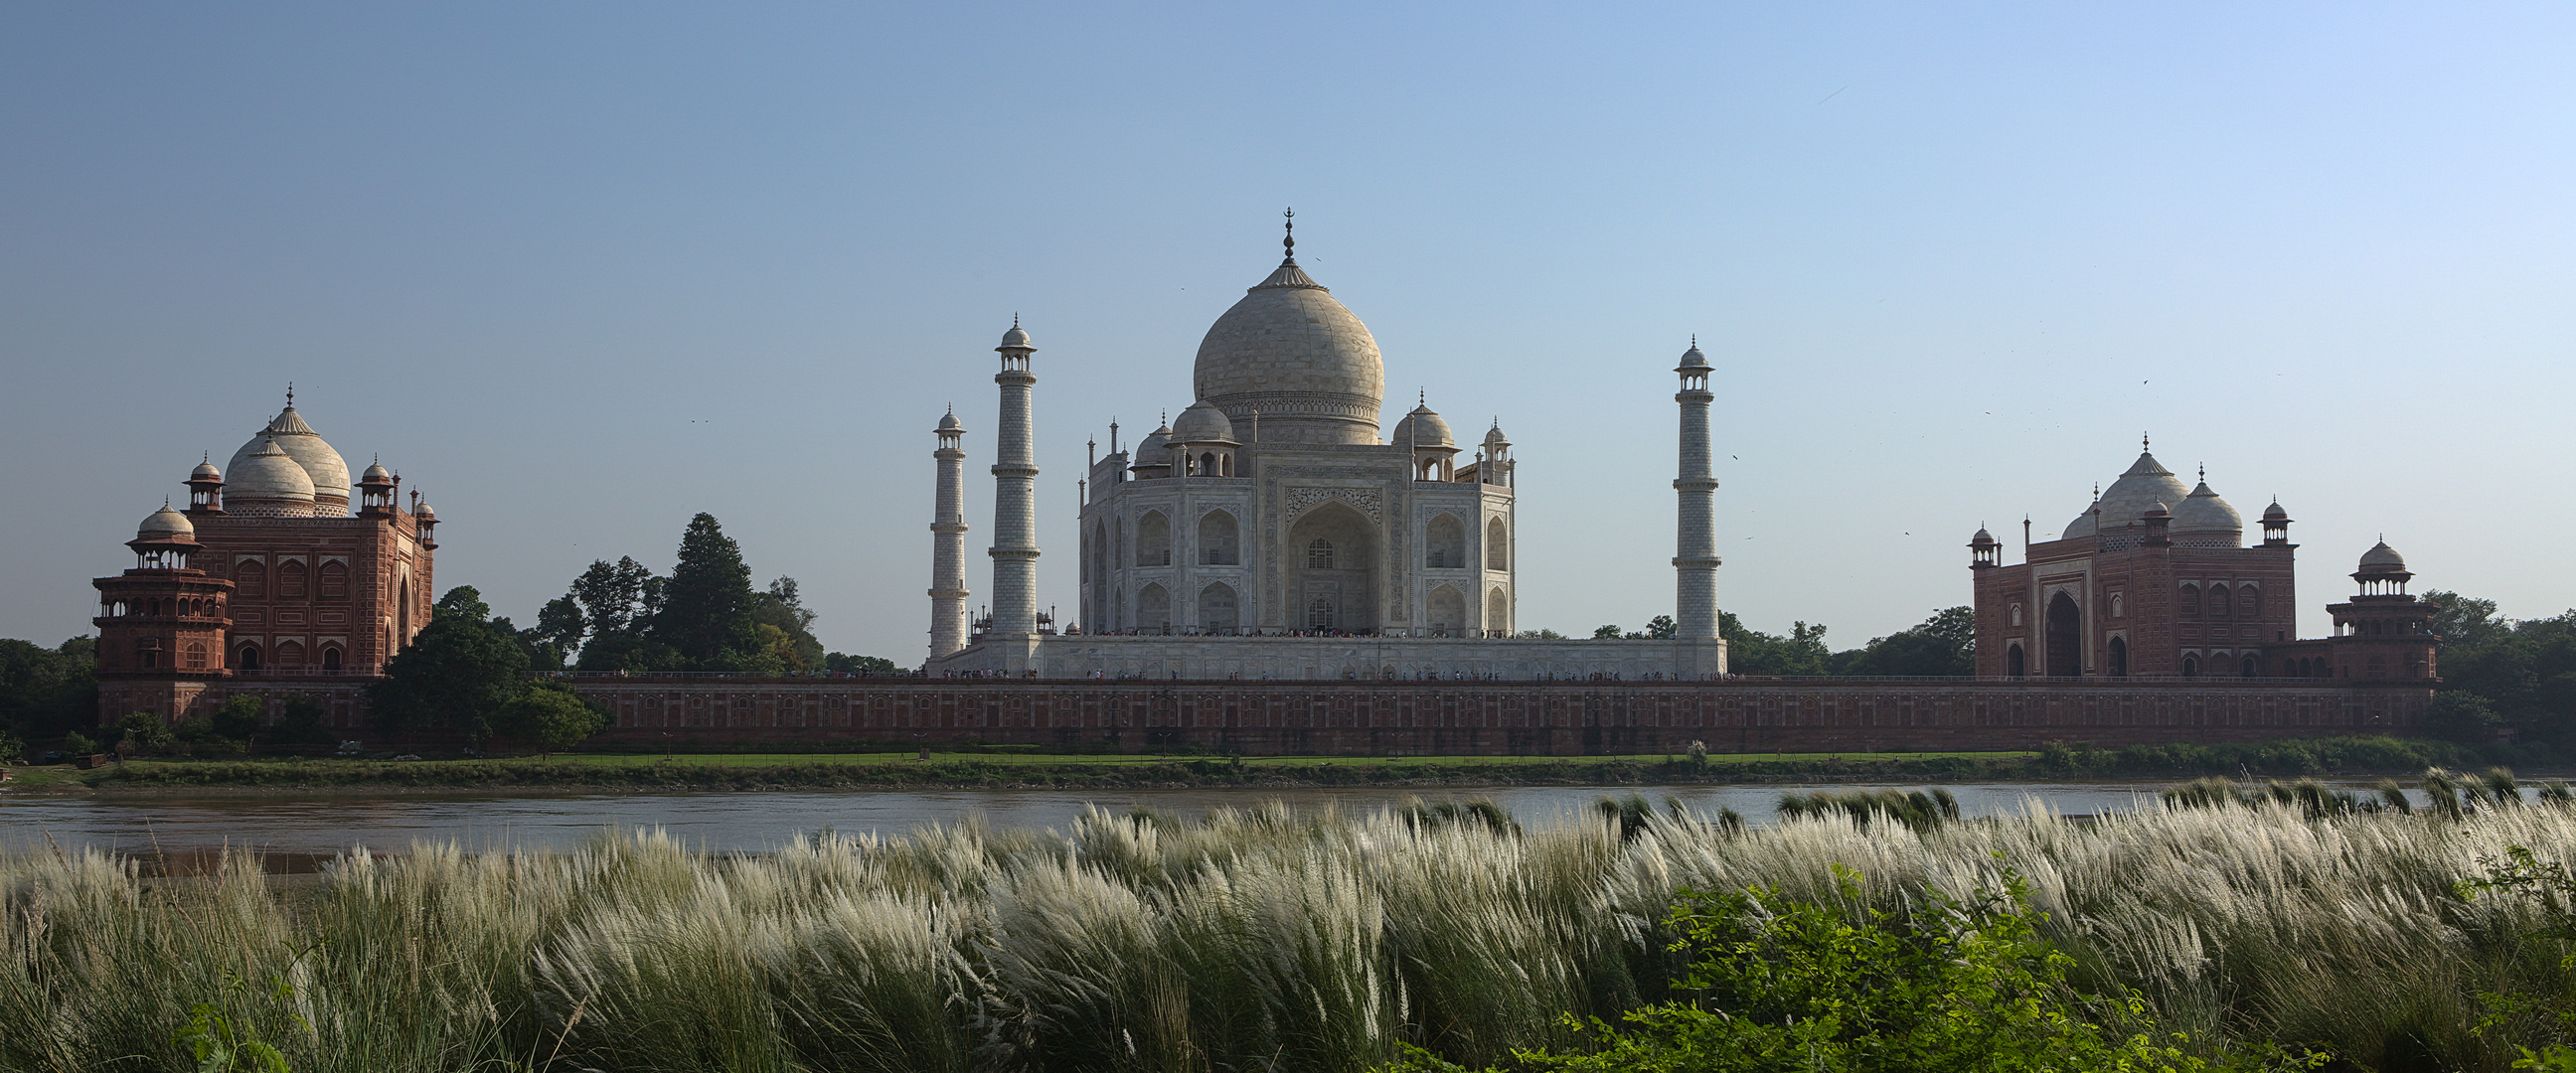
[{"x": 581, "y": 270}]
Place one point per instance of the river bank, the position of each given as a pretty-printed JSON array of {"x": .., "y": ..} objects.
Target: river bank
[{"x": 2324, "y": 757}]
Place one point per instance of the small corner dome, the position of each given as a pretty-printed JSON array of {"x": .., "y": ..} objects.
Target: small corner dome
[
  {"x": 205, "y": 471},
  {"x": 1982, "y": 538},
  {"x": 2382, "y": 559},
  {"x": 264, "y": 472},
  {"x": 2275, "y": 513},
  {"x": 2203, "y": 511},
  {"x": 1692, "y": 359},
  {"x": 1424, "y": 427},
  {"x": 1016, "y": 338},
  {"x": 376, "y": 474},
  {"x": 1495, "y": 435},
  {"x": 1155, "y": 441},
  {"x": 948, "y": 423},
  {"x": 165, "y": 524},
  {"x": 1202, "y": 423},
  {"x": 425, "y": 512}
]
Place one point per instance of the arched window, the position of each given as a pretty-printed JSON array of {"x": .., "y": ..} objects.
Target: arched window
[
  {"x": 290, "y": 656},
  {"x": 2249, "y": 601},
  {"x": 1498, "y": 612},
  {"x": 1154, "y": 609},
  {"x": 2253, "y": 667},
  {"x": 335, "y": 581},
  {"x": 2119, "y": 657},
  {"x": 330, "y": 659},
  {"x": 250, "y": 578},
  {"x": 1319, "y": 554},
  {"x": 1446, "y": 612},
  {"x": 2217, "y": 603},
  {"x": 1217, "y": 609},
  {"x": 1207, "y": 464},
  {"x": 1319, "y": 612},
  {"x": 2191, "y": 666},
  {"x": 290, "y": 579},
  {"x": 246, "y": 658},
  {"x": 1444, "y": 542},
  {"x": 147, "y": 653},
  {"x": 196, "y": 655},
  {"x": 2014, "y": 667},
  {"x": 1498, "y": 542},
  {"x": 1153, "y": 540},
  {"x": 1218, "y": 540},
  {"x": 2190, "y": 602}
]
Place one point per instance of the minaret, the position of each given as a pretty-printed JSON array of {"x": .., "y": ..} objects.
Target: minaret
[
  {"x": 1695, "y": 546},
  {"x": 1015, "y": 478},
  {"x": 948, "y": 542}
]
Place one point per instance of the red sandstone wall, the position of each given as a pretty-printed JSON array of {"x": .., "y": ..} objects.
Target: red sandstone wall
[{"x": 1500, "y": 718}]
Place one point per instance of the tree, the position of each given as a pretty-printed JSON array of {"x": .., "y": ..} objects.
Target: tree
[
  {"x": 839, "y": 663},
  {"x": 1943, "y": 646},
  {"x": 47, "y": 692},
  {"x": 2466, "y": 620},
  {"x": 551, "y": 717},
  {"x": 456, "y": 674},
  {"x": 615, "y": 604},
  {"x": 1662, "y": 628},
  {"x": 1754, "y": 652},
  {"x": 143, "y": 734},
  {"x": 706, "y": 614},
  {"x": 1605, "y": 632},
  {"x": 788, "y": 633}
]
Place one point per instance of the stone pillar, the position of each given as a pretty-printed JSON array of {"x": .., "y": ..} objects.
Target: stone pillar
[
  {"x": 1695, "y": 547},
  {"x": 1015, "y": 478},
  {"x": 948, "y": 543}
]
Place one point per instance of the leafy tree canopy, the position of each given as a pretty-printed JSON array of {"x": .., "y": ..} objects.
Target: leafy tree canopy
[
  {"x": 47, "y": 692},
  {"x": 456, "y": 674},
  {"x": 2504, "y": 674},
  {"x": 549, "y": 716}
]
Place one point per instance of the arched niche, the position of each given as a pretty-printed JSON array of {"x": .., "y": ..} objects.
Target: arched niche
[
  {"x": 1220, "y": 539},
  {"x": 1219, "y": 611},
  {"x": 1154, "y": 609},
  {"x": 1332, "y": 557},
  {"x": 2065, "y": 637},
  {"x": 1153, "y": 539},
  {"x": 1444, "y": 543},
  {"x": 1498, "y": 612},
  {"x": 1445, "y": 613},
  {"x": 1498, "y": 546}
]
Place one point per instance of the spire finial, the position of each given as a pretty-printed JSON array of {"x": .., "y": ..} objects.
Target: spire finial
[
  {"x": 290, "y": 394},
  {"x": 1422, "y": 396},
  {"x": 1694, "y": 340},
  {"x": 1290, "y": 243},
  {"x": 2204, "y": 473},
  {"x": 2142, "y": 442},
  {"x": 1015, "y": 318}
]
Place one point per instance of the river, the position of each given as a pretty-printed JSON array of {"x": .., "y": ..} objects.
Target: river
[{"x": 752, "y": 821}]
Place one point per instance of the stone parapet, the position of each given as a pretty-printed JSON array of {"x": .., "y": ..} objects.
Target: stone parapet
[{"x": 1492, "y": 718}]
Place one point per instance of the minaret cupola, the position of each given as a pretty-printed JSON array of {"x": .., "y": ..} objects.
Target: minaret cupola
[{"x": 206, "y": 488}]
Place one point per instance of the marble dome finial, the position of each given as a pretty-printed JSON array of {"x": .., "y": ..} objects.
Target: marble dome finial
[{"x": 1290, "y": 243}]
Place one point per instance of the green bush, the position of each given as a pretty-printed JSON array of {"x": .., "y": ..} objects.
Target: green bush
[{"x": 1782, "y": 983}]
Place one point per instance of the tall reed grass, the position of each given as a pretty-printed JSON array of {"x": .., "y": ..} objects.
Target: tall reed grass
[{"x": 1254, "y": 939}]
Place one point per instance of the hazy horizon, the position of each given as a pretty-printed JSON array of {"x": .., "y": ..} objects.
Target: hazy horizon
[{"x": 581, "y": 271}]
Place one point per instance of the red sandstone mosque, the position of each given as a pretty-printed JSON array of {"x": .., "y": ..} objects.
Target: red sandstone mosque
[
  {"x": 268, "y": 573},
  {"x": 2153, "y": 581}
]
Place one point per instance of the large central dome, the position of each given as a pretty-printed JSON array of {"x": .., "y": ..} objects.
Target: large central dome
[{"x": 1292, "y": 353}]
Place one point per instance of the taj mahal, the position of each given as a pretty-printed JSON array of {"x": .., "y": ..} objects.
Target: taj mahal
[{"x": 1272, "y": 531}]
